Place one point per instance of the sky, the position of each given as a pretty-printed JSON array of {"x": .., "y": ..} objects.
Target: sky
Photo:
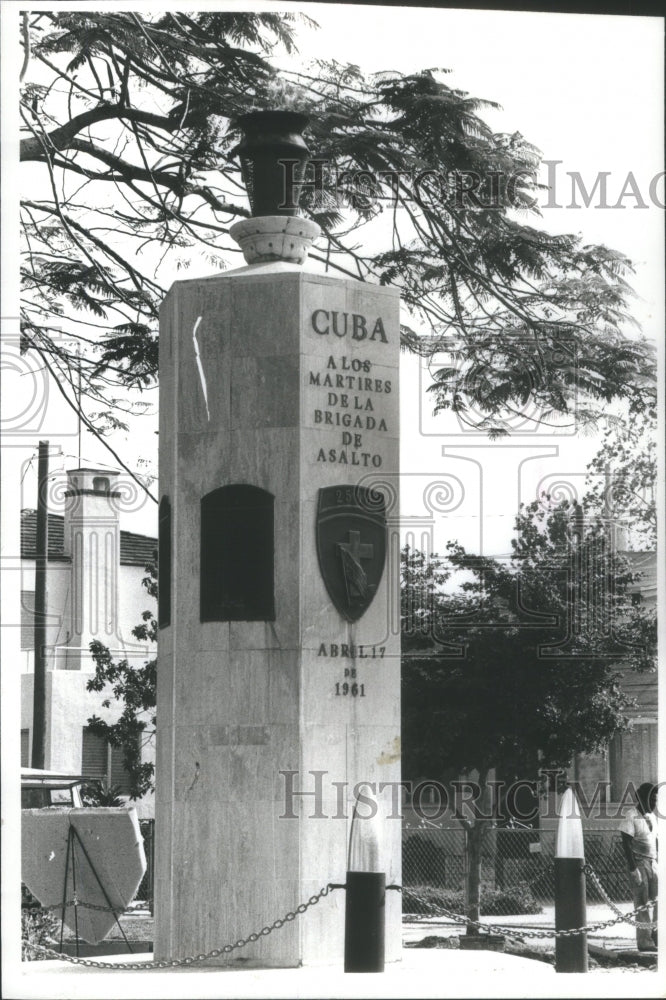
[{"x": 586, "y": 90}]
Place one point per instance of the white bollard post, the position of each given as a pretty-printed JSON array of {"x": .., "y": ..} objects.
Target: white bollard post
[{"x": 570, "y": 910}]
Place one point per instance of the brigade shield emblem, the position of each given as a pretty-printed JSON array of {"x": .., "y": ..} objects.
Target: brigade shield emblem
[{"x": 351, "y": 546}]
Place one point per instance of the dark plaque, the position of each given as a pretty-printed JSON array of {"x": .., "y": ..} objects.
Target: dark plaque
[{"x": 351, "y": 546}]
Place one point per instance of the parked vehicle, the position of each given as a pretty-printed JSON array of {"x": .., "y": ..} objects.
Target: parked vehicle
[{"x": 41, "y": 789}]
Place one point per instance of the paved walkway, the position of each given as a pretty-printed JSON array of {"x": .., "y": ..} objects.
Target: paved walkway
[{"x": 422, "y": 973}]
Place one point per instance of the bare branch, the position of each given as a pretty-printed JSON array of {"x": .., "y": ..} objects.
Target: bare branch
[{"x": 61, "y": 138}]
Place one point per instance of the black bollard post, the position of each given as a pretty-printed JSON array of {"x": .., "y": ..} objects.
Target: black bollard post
[
  {"x": 570, "y": 908},
  {"x": 365, "y": 913},
  {"x": 365, "y": 907},
  {"x": 570, "y": 912}
]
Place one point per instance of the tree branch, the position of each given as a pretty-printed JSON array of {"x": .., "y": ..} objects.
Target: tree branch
[
  {"x": 62, "y": 137},
  {"x": 163, "y": 177}
]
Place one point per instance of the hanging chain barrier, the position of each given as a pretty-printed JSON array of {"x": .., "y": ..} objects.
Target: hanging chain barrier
[
  {"x": 517, "y": 932},
  {"x": 629, "y": 917},
  {"x": 176, "y": 963},
  {"x": 435, "y": 909}
]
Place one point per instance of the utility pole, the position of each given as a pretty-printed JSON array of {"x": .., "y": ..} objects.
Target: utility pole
[{"x": 41, "y": 562}]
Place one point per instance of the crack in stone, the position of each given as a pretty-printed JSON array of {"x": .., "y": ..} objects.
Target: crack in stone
[{"x": 202, "y": 377}]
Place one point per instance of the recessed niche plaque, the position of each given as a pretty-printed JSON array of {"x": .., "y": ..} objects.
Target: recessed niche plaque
[
  {"x": 237, "y": 555},
  {"x": 351, "y": 546}
]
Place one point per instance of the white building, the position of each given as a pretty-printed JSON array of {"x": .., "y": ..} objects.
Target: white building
[
  {"x": 94, "y": 592},
  {"x": 632, "y": 756}
]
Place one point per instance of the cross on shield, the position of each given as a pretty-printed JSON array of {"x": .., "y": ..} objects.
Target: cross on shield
[{"x": 351, "y": 546}]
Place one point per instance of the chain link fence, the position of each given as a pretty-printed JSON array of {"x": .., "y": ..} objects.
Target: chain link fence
[{"x": 517, "y": 872}]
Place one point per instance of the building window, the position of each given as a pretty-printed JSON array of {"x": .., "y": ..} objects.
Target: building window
[
  {"x": 94, "y": 756},
  {"x": 632, "y": 758},
  {"x": 164, "y": 564},
  {"x": 118, "y": 776},
  {"x": 101, "y": 484},
  {"x": 102, "y": 762},
  {"x": 25, "y": 748},
  {"x": 237, "y": 555}
]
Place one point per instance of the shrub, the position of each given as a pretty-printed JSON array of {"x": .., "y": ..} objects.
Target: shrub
[
  {"x": 38, "y": 927},
  {"x": 494, "y": 902},
  {"x": 508, "y": 902},
  {"x": 94, "y": 794}
]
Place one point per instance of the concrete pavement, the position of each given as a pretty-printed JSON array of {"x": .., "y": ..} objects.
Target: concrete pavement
[{"x": 422, "y": 973}]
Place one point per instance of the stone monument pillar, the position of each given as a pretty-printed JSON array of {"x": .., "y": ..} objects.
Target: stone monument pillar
[{"x": 278, "y": 693}]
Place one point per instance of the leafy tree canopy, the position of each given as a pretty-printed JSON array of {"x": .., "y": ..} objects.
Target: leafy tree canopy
[
  {"x": 517, "y": 670},
  {"x": 135, "y": 688},
  {"x": 622, "y": 477},
  {"x": 521, "y": 663},
  {"x": 128, "y": 128}
]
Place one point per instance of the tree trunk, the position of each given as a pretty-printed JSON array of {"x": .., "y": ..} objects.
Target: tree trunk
[
  {"x": 474, "y": 842},
  {"x": 475, "y": 836}
]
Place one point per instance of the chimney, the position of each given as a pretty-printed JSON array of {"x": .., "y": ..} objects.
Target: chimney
[{"x": 92, "y": 540}]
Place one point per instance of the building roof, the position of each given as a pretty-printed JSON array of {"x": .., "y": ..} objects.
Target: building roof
[
  {"x": 135, "y": 550},
  {"x": 56, "y": 536}
]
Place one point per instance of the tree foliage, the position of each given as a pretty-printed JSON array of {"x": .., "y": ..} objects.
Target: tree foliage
[
  {"x": 623, "y": 476},
  {"x": 95, "y": 794},
  {"x": 128, "y": 130},
  {"x": 135, "y": 688},
  {"x": 518, "y": 670},
  {"x": 522, "y": 660}
]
